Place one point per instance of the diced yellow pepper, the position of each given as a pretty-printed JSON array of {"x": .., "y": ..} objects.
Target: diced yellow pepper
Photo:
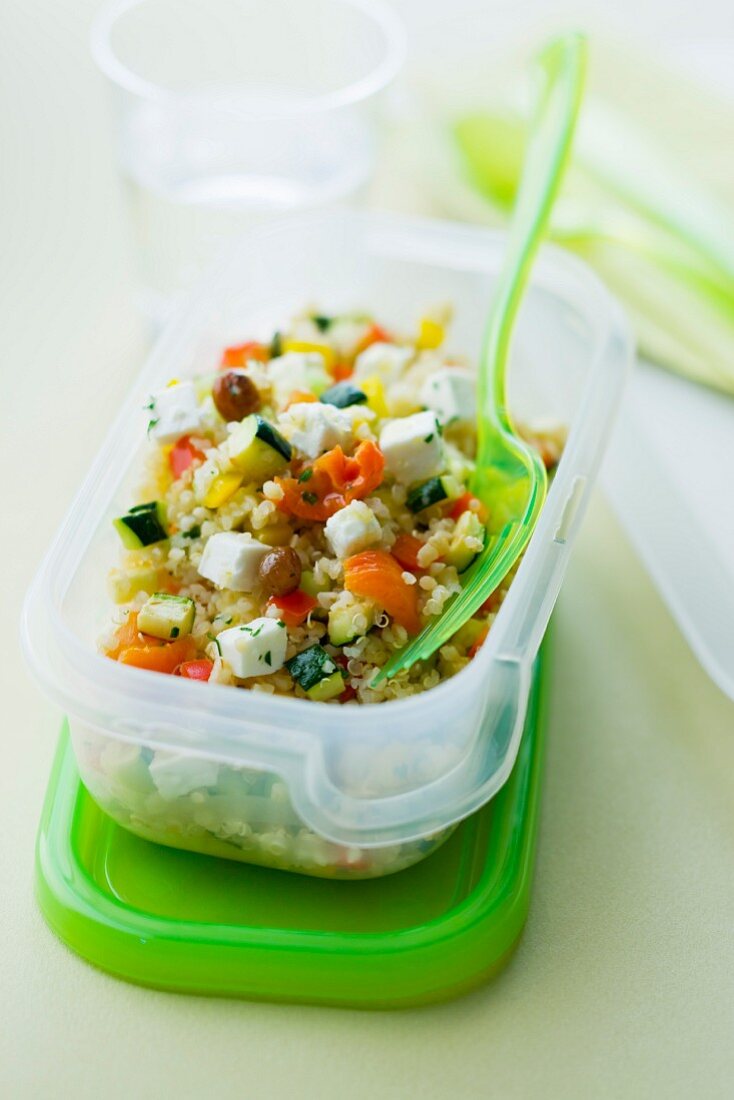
[
  {"x": 221, "y": 489},
  {"x": 470, "y": 633},
  {"x": 431, "y": 334},
  {"x": 306, "y": 346},
  {"x": 375, "y": 391}
]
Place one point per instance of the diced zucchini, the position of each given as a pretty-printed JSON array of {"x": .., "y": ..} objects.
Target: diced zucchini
[
  {"x": 311, "y": 586},
  {"x": 167, "y": 617},
  {"x": 348, "y": 623},
  {"x": 257, "y": 449},
  {"x": 343, "y": 394},
  {"x": 142, "y": 525},
  {"x": 311, "y": 666},
  {"x": 433, "y": 491},
  {"x": 468, "y": 525},
  {"x": 328, "y": 688},
  {"x": 125, "y": 585}
]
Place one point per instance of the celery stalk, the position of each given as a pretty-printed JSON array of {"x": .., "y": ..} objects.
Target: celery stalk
[{"x": 666, "y": 249}]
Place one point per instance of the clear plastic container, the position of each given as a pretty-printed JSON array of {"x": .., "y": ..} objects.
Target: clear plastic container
[
  {"x": 343, "y": 791},
  {"x": 681, "y": 513},
  {"x": 227, "y": 112}
]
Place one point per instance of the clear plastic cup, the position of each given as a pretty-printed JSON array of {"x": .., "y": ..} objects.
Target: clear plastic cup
[{"x": 230, "y": 111}]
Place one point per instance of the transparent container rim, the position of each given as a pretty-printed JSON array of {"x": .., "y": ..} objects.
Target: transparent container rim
[{"x": 380, "y": 77}]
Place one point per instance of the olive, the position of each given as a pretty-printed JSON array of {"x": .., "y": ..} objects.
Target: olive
[
  {"x": 235, "y": 395},
  {"x": 280, "y": 570}
]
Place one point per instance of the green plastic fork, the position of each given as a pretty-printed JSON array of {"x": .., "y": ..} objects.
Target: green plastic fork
[{"x": 510, "y": 478}]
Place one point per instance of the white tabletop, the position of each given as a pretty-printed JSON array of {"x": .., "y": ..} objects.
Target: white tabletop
[{"x": 623, "y": 985}]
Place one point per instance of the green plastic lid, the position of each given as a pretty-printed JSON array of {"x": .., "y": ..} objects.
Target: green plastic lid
[{"x": 191, "y": 923}]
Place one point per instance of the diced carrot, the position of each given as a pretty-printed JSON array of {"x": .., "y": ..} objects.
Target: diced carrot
[
  {"x": 300, "y": 397},
  {"x": 127, "y": 635},
  {"x": 196, "y": 670},
  {"x": 466, "y": 502},
  {"x": 238, "y": 354},
  {"x": 294, "y": 608},
  {"x": 405, "y": 549},
  {"x": 161, "y": 657},
  {"x": 170, "y": 586},
  {"x": 378, "y": 576}
]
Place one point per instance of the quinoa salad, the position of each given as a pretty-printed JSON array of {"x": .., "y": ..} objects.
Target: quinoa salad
[{"x": 304, "y": 510}]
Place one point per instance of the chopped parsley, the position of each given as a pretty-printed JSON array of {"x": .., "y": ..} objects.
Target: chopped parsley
[
  {"x": 428, "y": 438},
  {"x": 268, "y": 658},
  {"x": 175, "y": 632},
  {"x": 310, "y": 498},
  {"x": 193, "y": 532},
  {"x": 322, "y": 322},
  {"x": 307, "y": 474}
]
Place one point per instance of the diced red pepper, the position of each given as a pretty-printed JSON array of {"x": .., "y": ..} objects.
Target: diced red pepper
[
  {"x": 375, "y": 334},
  {"x": 238, "y": 354},
  {"x": 474, "y": 649},
  {"x": 294, "y": 608},
  {"x": 331, "y": 482},
  {"x": 491, "y": 603},
  {"x": 348, "y": 694},
  {"x": 182, "y": 454},
  {"x": 341, "y": 370},
  {"x": 195, "y": 670}
]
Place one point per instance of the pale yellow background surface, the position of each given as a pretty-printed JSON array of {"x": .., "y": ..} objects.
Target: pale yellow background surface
[{"x": 623, "y": 985}]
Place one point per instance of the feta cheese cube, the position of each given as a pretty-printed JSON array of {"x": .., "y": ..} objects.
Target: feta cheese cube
[
  {"x": 297, "y": 370},
  {"x": 451, "y": 393},
  {"x": 352, "y": 529},
  {"x": 387, "y": 361},
  {"x": 256, "y": 649},
  {"x": 231, "y": 560},
  {"x": 176, "y": 774},
  {"x": 313, "y": 428},
  {"x": 174, "y": 412},
  {"x": 413, "y": 447}
]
